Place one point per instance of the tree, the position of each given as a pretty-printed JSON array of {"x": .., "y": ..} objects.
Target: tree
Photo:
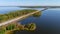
[
  {"x": 31, "y": 26},
  {"x": 10, "y": 27},
  {"x": 37, "y": 14},
  {"x": 2, "y": 30}
]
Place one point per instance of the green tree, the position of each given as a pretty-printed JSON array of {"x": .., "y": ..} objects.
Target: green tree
[
  {"x": 37, "y": 14},
  {"x": 2, "y": 30},
  {"x": 31, "y": 26},
  {"x": 10, "y": 27}
]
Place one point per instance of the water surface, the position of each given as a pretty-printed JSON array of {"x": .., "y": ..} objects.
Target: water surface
[{"x": 49, "y": 21}]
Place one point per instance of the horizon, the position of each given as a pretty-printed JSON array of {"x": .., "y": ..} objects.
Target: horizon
[{"x": 29, "y": 2}]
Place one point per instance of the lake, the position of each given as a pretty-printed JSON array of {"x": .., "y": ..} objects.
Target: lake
[{"x": 48, "y": 22}]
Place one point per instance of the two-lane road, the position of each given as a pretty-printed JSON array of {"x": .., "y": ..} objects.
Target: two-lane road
[{"x": 18, "y": 18}]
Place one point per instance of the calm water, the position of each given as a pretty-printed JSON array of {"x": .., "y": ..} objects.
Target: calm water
[{"x": 49, "y": 21}]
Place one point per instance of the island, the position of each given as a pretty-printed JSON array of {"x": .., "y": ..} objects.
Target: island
[
  {"x": 17, "y": 13},
  {"x": 11, "y": 28}
]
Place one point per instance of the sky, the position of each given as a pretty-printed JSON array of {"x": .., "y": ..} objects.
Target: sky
[{"x": 29, "y": 2}]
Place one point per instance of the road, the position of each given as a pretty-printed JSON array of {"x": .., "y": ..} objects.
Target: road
[{"x": 18, "y": 18}]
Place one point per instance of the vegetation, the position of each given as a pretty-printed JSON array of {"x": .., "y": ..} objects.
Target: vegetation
[
  {"x": 17, "y": 27},
  {"x": 2, "y": 30},
  {"x": 10, "y": 27},
  {"x": 9, "y": 32},
  {"x": 37, "y": 14},
  {"x": 13, "y": 14},
  {"x": 31, "y": 26}
]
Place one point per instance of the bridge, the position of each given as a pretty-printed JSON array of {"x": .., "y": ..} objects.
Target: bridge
[{"x": 24, "y": 16}]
